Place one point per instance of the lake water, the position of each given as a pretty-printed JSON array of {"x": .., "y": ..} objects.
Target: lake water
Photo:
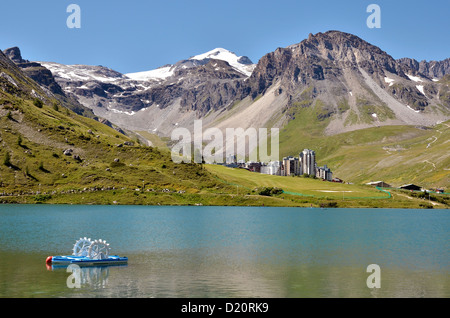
[{"x": 228, "y": 251}]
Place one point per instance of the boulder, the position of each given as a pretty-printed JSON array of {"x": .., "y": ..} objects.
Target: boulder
[{"x": 68, "y": 152}]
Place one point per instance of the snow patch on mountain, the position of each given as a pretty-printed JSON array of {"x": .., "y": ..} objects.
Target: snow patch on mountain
[
  {"x": 240, "y": 63},
  {"x": 414, "y": 78},
  {"x": 389, "y": 80},
  {"x": 83, "y": 72},
  {"x": 158, "y": 74},
  {"x": 420, "y": 88}
]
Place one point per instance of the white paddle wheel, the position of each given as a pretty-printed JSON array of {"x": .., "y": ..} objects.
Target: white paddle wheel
[
  {"x": 98, "y": 249},
  {"x": 81, "y": 247}
]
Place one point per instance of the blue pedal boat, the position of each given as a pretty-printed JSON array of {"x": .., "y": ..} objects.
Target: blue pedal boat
[{"x": 88, "y": 253}]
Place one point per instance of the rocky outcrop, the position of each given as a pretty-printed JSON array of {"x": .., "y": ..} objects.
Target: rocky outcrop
[
  {"x": 14, "y": 81},
  {"x": 431, "y": 69},
  {"x": 34, "y": 70},
  {"x": 46, "y": 80},
  {"x": 14, "y": 55}
]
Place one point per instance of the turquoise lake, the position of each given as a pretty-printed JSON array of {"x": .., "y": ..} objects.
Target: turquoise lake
[{"x": 228, "y": 251}]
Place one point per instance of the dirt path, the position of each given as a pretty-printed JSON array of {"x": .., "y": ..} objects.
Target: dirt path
[{"x": 406, "y": 196}]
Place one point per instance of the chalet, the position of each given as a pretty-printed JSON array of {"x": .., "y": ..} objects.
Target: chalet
[
  {"x": 380, "y": 184},
  {"x": 411, "y": 187}
]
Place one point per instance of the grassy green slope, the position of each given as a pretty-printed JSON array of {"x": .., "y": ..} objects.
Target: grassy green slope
[
  {"x": 298, "y": 185},
  {"x": 308, "y": 192},
  {"x": 410, "y": 155},
  {"x": 394, "y": 154},
  {"x": 33, "y": 140}
]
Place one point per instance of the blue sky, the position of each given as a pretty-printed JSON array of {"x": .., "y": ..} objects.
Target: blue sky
[{"x": 130, "y": 36}]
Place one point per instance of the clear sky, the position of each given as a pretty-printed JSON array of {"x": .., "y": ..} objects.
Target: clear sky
[{"x": 131, "y": 36}]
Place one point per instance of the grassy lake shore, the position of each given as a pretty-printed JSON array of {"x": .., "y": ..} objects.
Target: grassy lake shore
[{"x": 238, "y": 187}]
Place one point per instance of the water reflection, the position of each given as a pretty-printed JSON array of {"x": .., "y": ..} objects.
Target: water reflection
[{"x": 85, "y": 276}]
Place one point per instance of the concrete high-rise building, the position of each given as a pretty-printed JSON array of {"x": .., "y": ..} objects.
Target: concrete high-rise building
[
  {"x": 291, "y": 166},
  {"x": 308, "y": 161}
]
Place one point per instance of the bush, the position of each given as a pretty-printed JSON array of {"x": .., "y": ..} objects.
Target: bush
[
  {"x": 38, "y": 103},
  {"x": 431, "y": 197},
  {"x": 331, "y": 204},
  {"x": 116, "y": 164},
  {"x": 269, "y": 191},
  {"x": 39, "y": 198},
  {"x": 306, "y": 175}
]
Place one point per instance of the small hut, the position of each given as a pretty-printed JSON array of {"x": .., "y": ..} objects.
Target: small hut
[
  {"x": 411, "y": 187},
  {"x": 380, "y": 184}
]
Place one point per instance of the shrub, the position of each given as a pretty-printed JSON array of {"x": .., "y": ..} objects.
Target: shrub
[
  {"x": 116, "y": 164},
  {"x": 38, "y": 103},
  {"x": 331, "y": 204},
  {"x": 39, "y": 198},
  {"x": 269, "y": 191}
]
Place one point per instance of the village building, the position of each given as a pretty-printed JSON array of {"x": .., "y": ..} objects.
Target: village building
[
  {"x": 324, "y": 173},
  {"x": 411, "y": 187},
  {"x": 380, "y": 184}
]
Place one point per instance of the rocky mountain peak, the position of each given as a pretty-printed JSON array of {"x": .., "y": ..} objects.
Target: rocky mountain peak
[
  {"x": 213, "y": 69},
  {"x": 341, "y": 47},
  {"x": 14, "y": 55},
  {"x": 241, "y": 63},
  {"x": 322, "y": 56},
  {"x": 335, "y": 68}
]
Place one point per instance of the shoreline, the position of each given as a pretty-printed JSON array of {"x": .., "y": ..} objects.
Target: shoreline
[{"x": 133, "y": 198}]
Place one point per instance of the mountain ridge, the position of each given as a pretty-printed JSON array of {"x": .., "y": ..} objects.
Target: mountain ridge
[
  {"x": 355, "y": 83},
  {"x": 432, "y": 69}
]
